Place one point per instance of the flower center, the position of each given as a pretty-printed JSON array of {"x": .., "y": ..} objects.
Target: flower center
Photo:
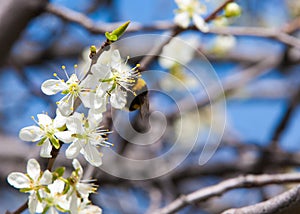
[{"x": 74, "y": 89}]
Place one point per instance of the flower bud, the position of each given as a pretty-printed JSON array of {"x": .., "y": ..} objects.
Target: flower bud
[{"x": 232, "y": 9}]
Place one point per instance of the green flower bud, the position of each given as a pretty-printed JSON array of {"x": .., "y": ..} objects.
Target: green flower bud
[{"x": 232, "y": 9}]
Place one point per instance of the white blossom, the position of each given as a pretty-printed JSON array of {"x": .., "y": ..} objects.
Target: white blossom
[
  {"x": 115, "y": 78},
  {"x": 56, "y": 200},
  {"x": 87, "y": 137},
  {"x": 178, "y": 51},
  {"x": 47, "y": 132},
  {"x": 80, "y": 190},
  {"x": 33, "y": 182},
  {"x": 223, "y": 44},
  {"x": 72, "y": 89},
  {"x": 190, "y": 10}
]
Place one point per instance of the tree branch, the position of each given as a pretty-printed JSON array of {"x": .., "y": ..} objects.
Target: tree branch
[
  {"x": 221, "y": 188},
  {"x": 283, "y": 202}
]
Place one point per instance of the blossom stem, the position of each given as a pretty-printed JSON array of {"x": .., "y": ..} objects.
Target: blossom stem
[
  {"x": 54, "y": 154},
  {"x": 20, "y": 209}
]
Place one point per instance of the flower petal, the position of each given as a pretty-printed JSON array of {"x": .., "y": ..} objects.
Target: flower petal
[
  {"x": 118, "y": 99},
  {"x": 18, "y": 180},
  {"x": 52, "y": 86},
  {"x": 33, "y": 169},
  {"x": 95, "y": 117},
  {"x": 31, "y": 133},
  {"x": 200, "y": 23},
  {"x": 73, "y": 150},
  {"x": 59, "y": 120},
  {"x": 87, "y": 99},
  {"x": 46, "y": 149},
  {"x": 32, "y": 203},
  {"x": 76, "y": 164},
  {"x": 92, "y": 155},
  {"x": 65, "y": 136},
  {"x": 74, "y": 124},
  {"x": 65, "y": 105},
  {"x": 116, "y": 60},
  {"x": 182, "y": 19},
  {"x": 44, "y": 120},
  {"x": 101, "y": 72},
  {"x": 46, "y": 178}
]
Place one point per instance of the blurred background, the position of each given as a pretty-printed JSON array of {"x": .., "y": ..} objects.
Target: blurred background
[{"x": 261, "y": 80}]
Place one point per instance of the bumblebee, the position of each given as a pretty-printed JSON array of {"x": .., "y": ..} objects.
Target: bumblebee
[{"x": 139, "y": 99}]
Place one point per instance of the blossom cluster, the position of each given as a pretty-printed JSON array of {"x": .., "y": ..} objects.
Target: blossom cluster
[
  {"x": 108, "y": 81},
  {"x": 52, "y": 193}
]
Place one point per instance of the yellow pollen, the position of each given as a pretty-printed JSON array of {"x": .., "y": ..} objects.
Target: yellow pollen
[
  {"x": 75, "y": 66},
  {"x": 57, "y": 103},
  {"x": 138, "y": 65},
  {"x": 55, "y": 74},
  {"x": 63, "y": 67},
  {"x": 32, "y": 117}
]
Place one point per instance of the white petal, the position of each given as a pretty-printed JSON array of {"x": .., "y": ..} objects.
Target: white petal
[
  {"x": 73, "y": 79},
  {"x": 46, "y": 149},
  {"x": 52, "y": 210},
  {"x": 65, "y": 105},
  {"x": 46, "y": 178},
  {"x": 74, "y": 204},
  {"x": 95, "y": 117},
  {"x": 74, "y": 124},
  {"x": 18, "y": 180},
  {"x": 76, "y": 165},
  {"x": 73, "y": 150},
  {"x": 91, "y": 209},
  {"x": 33, "y": 169},
  {"x": 89, "y": 82},
  {"x": 31, "y": 133},
  {"x": 59, "y": 120},
  {"x": 32, "y": 203},
  {"x": 87, "y": 99},
  {"x": 56, "y": 187},
  {"x": 44, "y": 119},
  {"x": 64, "y": 136},
  {"x": 101, "y": 72},
  {"x": 182, "y": 19},
  {"x": 200, "y": 23},
  {"x": 92, "y": 155},
  {"x": 118, "y": 99},
  {"x": 52, "y": 86},
  {"x": 116, "y": 60},
  {"x": 103, "y": 87}
]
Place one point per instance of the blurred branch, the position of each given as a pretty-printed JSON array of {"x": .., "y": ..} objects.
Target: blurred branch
[
  {"x": 280, "y": 35},
  {"x": 284, "y": 121},
  {"x": 276, "y": 34},
  {"x": 14, "y": 16},
  {"x": 286, "y": 202},
  {"x": 234, "y": 183},
  {"x": 229, "y": 84}
]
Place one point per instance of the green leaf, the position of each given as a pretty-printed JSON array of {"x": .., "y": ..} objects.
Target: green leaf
[
  {"x": 60, "y": 171},
  {"x": 117, "y": 33},
  {"x": 111, "y": 37}
]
